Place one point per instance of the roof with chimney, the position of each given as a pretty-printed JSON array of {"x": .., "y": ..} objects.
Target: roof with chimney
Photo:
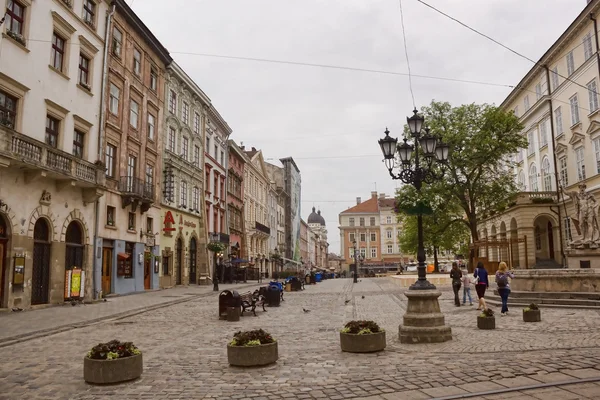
[{"x": 370, "y": 206}]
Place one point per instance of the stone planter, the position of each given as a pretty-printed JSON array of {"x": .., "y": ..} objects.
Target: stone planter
[
  {"x": 486, "y": 322},
  {"x": 112, "y": 371},
  {"x": 362, "y": 343},
  {"x": 252, "y": 356},
  {"x": 532, "y": 316}
]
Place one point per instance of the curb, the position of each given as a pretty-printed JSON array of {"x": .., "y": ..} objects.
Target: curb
[{"x": 12, "y": 340}]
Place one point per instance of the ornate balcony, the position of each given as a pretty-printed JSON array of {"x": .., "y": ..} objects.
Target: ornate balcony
[
  {"x": 262, "y": 228},
  {"x": 134, "y": 192},
  {"x": 39, "y": 160}
]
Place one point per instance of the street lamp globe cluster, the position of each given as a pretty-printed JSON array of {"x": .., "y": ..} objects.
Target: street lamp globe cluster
[{"x": 415, "y": 171}]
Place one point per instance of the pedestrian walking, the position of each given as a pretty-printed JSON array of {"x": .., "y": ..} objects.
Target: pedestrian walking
[
  {"x": 466, "y": 283},
  {"x": 481, "y": 284},
  {"x": 503, "y": 282},
  {"x": 456, "y": 276}
]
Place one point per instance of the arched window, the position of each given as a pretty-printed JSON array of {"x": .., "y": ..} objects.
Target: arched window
[
  {"x": 546, "y": 177},
  {"x": 521, "y": 180},
  {"x": 74, "y": 251},
  {"x": 533, "y": 183}
]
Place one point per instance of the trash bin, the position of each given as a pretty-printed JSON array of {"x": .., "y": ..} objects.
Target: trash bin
[
  {"x": 233, "y": 314},
  {"x": 227, "y": 299},
  {"x": 318, "y": 277},
  {"x": 273, "y": 296}
]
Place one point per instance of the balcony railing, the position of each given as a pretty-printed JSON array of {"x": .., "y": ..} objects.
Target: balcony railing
[
  {"x": 40, "y": 155},
  {"x": 135, "y": 187},
  {"x": 262, "y": 228}
]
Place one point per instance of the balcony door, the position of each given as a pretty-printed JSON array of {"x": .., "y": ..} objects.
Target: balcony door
[{"x": 131, "y": 172}]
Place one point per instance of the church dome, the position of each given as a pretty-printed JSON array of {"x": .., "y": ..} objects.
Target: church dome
[{"x": 316, "y": 218}]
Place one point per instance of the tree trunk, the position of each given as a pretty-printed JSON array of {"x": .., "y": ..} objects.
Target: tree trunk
[
  {"x": 474, "y": 239},
  {"x": 436, "y": 266}
]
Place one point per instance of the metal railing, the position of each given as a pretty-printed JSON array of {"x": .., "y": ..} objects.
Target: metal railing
[{"x": 136, "y": 187}]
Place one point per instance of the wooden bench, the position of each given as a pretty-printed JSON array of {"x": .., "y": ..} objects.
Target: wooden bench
[{"x": 251, "y": 301}]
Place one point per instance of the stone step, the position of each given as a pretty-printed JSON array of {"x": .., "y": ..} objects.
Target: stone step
[
  {"x": 554, "y": 295},
  {"x": 550, "y": 303}
]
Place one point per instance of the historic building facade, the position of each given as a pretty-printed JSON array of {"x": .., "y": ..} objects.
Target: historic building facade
[
  {"x": 390, "y": 230},
  {"x": 562, "y": 126},
  {"x": 318, "y": 246},
  {"x": 304, "y": 234},
  {"x": 235, "y": 200},
  {"x": 50, "y": 167},
  {"x": 184, "y": 237},
  {"x": 129, "y": 215}
]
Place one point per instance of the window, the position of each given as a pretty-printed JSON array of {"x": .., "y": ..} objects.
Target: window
[
  {"x": 149, "y": 177},
  {"x": 373, "y": 252},
  {"x": 183, "y": 194},
  {"x": 526, "y": 102},
  {"x": 363, "y": 252},
  {"x": 564, "y": 176},
  {"x": 165, "y": 266},
  {"x": 196, "y": 123},
  {"x": 89, "y": 11},
  {"x": 197, "y": 156},
  {"x": 153, "y": 78},
  {"x": 543, "y": 134},
  {"x": 521, "y": 181},
  {"x": 186, "y": 113},
  {"x": 538, "y": 91},
  {"x": 587, "y": 46},
  {"x": 388, "y": 220},
  {"x": 362, "y": 221},
  {"x": 52, "y": 131},
  {"x": 574, "y": 110},
  {"x": 372, "y": 221},
  {"x": 570, "y": 63},
  {"x": 530, "y": 143},
  {"x": 597, "y": 151},
  {"x": 555, "y": 78},
  {"x": 568, "y": 236},
  {"x": 546, "y": 177},
  {"x": 117, "y": 42},
  {"x": 110, "y": 216},
  {"x": 351, "y": 221},
  {"x": 8, "y": 109},
  {"x": 593, "y": 95},
  {"x": 222, "y": 158},
  {"x": 363, "y": 237},
  {"x": 390, "y": 249},
  {"x": 171, "y": 140},
  {"x": 373, "y": 237},
  {"x": 351, "y": 252},
  {"x": 15, "y": 15},
  {"x": 388, "y": 234},
  {"x": 149, "y": 225},
  {"x": 151, "y": 126},
  {"x": 579, "y": 161},
  {"x": 533, "y": 178},
  {"x": 111, "y": 153},
  {"x": 78, "y": 138},
  {"x": 131, "y": 171},
  {"x": 352, "y": 237},
  {"x": 558, "y": 120},
  {"x": 195, "y": 198},
  {"x": 58, "y": 51},
  {"x": 184, "y": 148},
  {"x": 115, "y": 95},
  {"x": 172, "y": 102},
  {"x": 134, "y": 110},
  {"x": 137, "y": 62},
  {"x": 84, "y": 71},
  {"x": 131, "y": 222}
]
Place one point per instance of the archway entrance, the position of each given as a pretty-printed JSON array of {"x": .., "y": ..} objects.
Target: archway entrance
[
  {"x": 193, "y": 260},
  {"x": 3, "y": 268},
  {"x": 544, "y": 239},
  {"x": 179, "y": 258},
  {"x": 40, "y": 279}
]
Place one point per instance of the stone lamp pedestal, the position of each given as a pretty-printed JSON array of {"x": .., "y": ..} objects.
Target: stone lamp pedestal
[{"x": 423, "y": 321}]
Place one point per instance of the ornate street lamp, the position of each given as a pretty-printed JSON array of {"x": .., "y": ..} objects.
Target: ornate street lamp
[{"x": 416, "y": 166}]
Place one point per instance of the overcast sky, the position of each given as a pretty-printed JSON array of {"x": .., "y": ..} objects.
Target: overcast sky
[{"x": 329, "y": 120}]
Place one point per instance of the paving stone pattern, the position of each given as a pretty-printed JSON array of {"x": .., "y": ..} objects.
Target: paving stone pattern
[{"x": 184, "y": 348}]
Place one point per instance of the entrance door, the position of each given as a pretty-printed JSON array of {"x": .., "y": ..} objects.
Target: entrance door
[
  {"x": 193, "y": 260},
  {"x": 179, "y": 255},
  {"x": 107, "y": 257},
  {"x": 40, "y": 279},
  {"x": 550, "y": 240},
  {"x": 3, "y": 246},
  {"x": 147, "y": 270}
]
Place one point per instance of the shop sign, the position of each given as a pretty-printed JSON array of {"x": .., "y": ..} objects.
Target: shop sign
[
  {"x": 73, "y": 283},
  {"x": 183, "y": 222},
  {"x": 169, "y": 222},
  {"x": 150, "y": 241}
]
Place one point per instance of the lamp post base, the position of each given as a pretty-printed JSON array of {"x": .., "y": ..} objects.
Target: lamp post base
[{"x": 423, "y": 321}]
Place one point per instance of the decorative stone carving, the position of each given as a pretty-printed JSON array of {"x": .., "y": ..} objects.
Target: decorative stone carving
[
  {"x": 46, "y": 198},
  {"x": 586, "y": 218}
]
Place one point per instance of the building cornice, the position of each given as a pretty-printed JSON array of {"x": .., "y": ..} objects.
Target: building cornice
[{"x": 185, "y": 79}]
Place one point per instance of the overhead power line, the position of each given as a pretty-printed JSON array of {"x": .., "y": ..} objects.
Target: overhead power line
[{"x": 412, "y": 94}]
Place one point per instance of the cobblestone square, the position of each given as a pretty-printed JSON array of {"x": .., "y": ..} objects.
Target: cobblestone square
[{"x": 184, "y": 347}]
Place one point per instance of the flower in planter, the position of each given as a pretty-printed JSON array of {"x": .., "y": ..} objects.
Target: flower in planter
[
  {"x": 251, "y": 338},
  {"x": 113, "y": 350},
  {"x": 531, "y": 307},
  {"x": 488, "y": 313},
  {"x": 16, "y": 36},
  {"x": 361, "y": 328}
]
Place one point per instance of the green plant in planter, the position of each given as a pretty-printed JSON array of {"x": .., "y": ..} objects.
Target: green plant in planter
[
  {"x": 216, "y": 247},
  {"x": 361, "y": 328},
  {"x": 113, "y": 350},
  {"x": 531, "y": 307},
  {"x": 488, "y": 313},
  {"x": 251, "y": 338}
]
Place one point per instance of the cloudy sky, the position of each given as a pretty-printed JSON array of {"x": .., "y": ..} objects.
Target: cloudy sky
[{"x": 330, "y": 119}]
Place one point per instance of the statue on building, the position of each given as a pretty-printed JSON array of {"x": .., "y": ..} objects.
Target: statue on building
[{"x": 586, "y": 208}]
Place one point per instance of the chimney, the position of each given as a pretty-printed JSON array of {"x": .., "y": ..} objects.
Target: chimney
[
  {"x": 374, "y": 195},
  {"x": 253, "y": 148},
  {"x": 243, "y": 147},
  {"x": 381, "y": 196},
  {"x": 358, "y": 200}
]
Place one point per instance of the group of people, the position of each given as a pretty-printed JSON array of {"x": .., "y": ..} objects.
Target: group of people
[{"x": 460, "y": 278}]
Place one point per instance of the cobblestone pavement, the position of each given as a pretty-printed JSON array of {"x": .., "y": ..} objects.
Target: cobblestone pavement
[{"x": 184, "y": 349}]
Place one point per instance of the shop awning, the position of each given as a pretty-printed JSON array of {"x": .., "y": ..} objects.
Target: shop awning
[{"x": 123, "y": 256}]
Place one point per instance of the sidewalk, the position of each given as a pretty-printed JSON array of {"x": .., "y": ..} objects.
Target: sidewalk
[{"x": 18, "y": 326}]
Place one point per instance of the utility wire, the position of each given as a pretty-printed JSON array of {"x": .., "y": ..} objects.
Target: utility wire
[{"x": 412, "y": 94}]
